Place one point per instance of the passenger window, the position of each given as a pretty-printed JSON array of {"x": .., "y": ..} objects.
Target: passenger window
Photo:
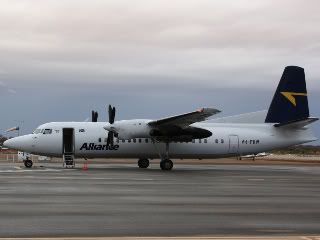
[
  {"x": 222, "y": 141},
  {"x": 47, "y": 131},
  {"x": 99, "y": 139},
  {"x": 146, "y": 140},
  {"x": 258, "y": 141},
  {"x": 129, "y": 141},
  {"x": 134, "y": 140},
  {"x": 139, "y": 140},
  {"x": 123, "y": 140},
  {"x": 205, "y": 141},
  {"x": 216, "y": 141},
  {"x": 193, "y": 141},
  {"x": 199, "y": 140}
]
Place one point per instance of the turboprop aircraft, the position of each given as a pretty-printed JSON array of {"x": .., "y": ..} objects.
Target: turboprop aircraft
[{"x": 181, "y": 136}]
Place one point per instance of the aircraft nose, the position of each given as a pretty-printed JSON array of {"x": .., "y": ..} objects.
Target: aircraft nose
[
  {"x": 18, "y": 143},
  {"x": 9, "y": 143}
]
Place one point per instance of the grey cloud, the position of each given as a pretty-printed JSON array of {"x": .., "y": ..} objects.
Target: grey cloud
[{"x": 194, "y": 43}]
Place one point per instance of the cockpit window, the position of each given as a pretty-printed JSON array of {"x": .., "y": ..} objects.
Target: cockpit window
[
  {"x": 47, "y": 131},
  {"x": 37, "y": 131}
]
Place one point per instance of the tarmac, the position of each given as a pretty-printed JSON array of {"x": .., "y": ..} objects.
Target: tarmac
[{"x": 191, "y": 201}]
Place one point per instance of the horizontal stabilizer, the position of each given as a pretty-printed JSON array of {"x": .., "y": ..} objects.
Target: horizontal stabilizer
[
  {"x": 252, "y": 117},
  {"x": 297, "y": 123}
]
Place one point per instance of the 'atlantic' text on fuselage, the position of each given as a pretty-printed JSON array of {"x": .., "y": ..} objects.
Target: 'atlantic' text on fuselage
[{"x": 93, "y": 146}]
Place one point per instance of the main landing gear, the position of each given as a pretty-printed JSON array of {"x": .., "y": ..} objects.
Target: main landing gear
[
  {"x": 166, "y": 164},
  {"x": 143, "y": 163},
  {"x": 28, "y": 163}
]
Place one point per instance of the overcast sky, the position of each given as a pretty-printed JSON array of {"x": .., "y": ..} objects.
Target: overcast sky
[{"x": 60, "y": 59}]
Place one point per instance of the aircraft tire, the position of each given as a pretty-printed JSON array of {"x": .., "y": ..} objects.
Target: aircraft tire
[
  {"x": 28, "y": 163},
  {"x": 166, "y": 164},
  {"x": 143, "y": 163}
]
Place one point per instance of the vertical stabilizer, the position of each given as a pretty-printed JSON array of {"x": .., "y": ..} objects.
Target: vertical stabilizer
[{"x": 290, "y": 101}]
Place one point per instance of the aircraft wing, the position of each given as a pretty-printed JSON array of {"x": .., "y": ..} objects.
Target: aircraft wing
[{"x": 184, "y": 120}]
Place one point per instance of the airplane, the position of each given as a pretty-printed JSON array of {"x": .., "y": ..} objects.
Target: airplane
[{"x": 183, "y": 136}]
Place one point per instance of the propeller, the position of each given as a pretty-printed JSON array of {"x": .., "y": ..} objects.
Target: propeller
[
  {"x": 94, "y": 116},
  {"x": 111, "y": 134},
  {"x": 112, "y": 114}
]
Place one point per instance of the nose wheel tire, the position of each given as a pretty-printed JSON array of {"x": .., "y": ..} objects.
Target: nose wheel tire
[
  {"x": 28, "y": 163},
  {"x": 166, "y": 164},
  {"x": 143, "y": 163}
]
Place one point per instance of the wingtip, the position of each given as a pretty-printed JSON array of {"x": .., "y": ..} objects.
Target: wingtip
[{"x": 211, "y": 110}]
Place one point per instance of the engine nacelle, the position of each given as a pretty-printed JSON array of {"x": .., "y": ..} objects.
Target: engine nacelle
[
  {"x": 129, "y": 129},
  {"x": 139, "y": 128}
]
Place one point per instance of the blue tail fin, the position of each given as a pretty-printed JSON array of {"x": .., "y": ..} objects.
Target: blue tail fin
[{"x": 290, "y": 102}]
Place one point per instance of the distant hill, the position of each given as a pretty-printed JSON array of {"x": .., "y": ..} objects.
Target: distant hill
[{"x": 299, "y": 149}]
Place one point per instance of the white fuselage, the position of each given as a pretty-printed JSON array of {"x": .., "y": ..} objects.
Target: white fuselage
[{"x": 228, "y": 139}]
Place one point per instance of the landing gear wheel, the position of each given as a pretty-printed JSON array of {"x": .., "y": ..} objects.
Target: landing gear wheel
[
  {"x": 166, "y": 164},
  {"x": 143, "y": 163},
  {"x": 28, "y": 163}
]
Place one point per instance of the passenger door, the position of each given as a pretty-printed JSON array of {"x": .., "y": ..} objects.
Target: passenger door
[
  {"x": 233, "y": 144},
  {"x": 68, "y": 141}
]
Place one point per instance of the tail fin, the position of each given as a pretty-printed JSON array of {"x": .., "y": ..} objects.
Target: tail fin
[{"x": 290, "y": 102}]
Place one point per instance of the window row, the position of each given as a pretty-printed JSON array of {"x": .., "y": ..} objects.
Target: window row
[{"x": 148, "y": 140}]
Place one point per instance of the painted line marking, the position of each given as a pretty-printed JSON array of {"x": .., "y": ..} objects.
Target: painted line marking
[
  {"x": 255, "y": 179},
  {"x": 19, "y": 170}
]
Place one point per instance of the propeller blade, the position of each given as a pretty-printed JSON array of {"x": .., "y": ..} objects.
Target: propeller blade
[
  {"x": 110, "y": 138},
  {"x": 111, "y": 134},
  {"x": 94, "y": 116},
  {"x": 112, "y": 114}
]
